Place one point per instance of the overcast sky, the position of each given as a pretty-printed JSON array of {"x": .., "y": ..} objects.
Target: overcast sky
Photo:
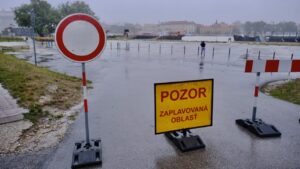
[{"x": 200, "y": 11}]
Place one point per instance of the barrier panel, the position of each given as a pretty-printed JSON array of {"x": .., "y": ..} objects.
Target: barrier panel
[{"x": 255, "y": 125}]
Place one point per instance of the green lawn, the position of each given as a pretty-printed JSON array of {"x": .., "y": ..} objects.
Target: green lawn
[
  {"x": 10, "y": 39},
  {"x": 289, "y": 91},
  {"x": 28, "y": 84}
]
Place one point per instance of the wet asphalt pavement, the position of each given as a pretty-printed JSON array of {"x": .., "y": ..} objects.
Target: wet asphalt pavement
[{"x": 121, "y": 106}]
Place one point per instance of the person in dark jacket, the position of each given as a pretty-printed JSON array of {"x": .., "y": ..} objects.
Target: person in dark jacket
[{"x": 202, "y": 48}]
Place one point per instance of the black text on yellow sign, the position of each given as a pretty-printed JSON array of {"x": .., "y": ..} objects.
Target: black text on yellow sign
[{"x": 183, "y": 105}]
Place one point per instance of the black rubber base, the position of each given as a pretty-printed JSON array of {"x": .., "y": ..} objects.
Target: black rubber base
[
  {"x": 185, "y": 142},
  {"x": 87, "y": 154},
  {"x": 259, "y": 128}
]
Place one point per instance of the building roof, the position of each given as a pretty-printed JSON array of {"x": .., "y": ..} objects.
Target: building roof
[{"x": 177, "y": 23}]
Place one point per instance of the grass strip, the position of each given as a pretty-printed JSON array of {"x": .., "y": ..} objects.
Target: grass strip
[
  {"x": 289, "y": 91},
  {"x": 11, "y": 39},
  {"x": 36, "y": 87}
]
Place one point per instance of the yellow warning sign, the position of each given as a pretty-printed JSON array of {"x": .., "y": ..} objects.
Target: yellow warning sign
[{"x": 183, "y": 105}]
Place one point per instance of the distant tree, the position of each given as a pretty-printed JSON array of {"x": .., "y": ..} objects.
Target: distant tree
[
  {"x": 290, "y": 27},
  {"x": 75, "y": 7},
  {"x": 237, "y": 27},
  {"x": 46, "y": 17},
  {"x": 259, "y": 27},
  {"x": 248, "y": 28}
]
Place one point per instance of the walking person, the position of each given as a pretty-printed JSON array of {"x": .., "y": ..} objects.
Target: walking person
[{"x": 202, "y": 48}]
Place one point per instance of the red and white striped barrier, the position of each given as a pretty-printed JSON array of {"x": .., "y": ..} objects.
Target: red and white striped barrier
[
  {"x": 255, "y": 125},
  {"x": 265, "y": 66},
  {"x": 254, "y": 66}
]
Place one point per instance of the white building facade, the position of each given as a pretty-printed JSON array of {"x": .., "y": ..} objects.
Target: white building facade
[{"x": 6, "y": 19}]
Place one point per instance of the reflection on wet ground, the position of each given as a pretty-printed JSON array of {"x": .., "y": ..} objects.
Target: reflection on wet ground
[{"x": 122, "y": 107}]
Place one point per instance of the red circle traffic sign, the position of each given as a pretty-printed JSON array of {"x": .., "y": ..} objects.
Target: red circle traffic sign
[{"x": 80, "y": 37}]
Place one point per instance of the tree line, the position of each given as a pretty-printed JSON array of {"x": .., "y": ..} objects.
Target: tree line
[
  {"x": 262, "y": 28},
  {"x": 46, "y": 16}
]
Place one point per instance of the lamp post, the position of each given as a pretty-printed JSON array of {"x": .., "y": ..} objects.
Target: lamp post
[{"x": 32, "y": 18}]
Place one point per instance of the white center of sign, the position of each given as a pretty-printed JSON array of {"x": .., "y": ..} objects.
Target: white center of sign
[{"x": 81, "y": 38}]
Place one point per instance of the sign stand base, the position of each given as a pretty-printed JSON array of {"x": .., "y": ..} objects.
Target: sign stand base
[
  {"x": 185, "y": 141},
  {"x": 86, "y": 154},
  {"x": 259, "y": 128}
]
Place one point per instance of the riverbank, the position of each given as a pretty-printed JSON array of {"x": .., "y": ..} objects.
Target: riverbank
[
  {"x": 270, "y": 43},
  {"x": 53, "y": 100},
  {"x": 11, "y": 39}
]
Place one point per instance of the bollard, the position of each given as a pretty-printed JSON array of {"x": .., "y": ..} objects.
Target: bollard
[
  {"x": 138, "y": 47},
  {"x": 159, "y": 49},
  {"x": 228, "y": 58},
  {"x": 273, "y": 59},
  {"x": 247, "y": 54},
  {"x": 292, "y": 56},
  {"x": 149, "y": 48},
  {"x": 126, "y": 46},
  {"x": 213, "y": 56},
  {"x": 198, "y": 51},
  {"x": 184, "y": 50},
  {"x": 171, "y": 50}
]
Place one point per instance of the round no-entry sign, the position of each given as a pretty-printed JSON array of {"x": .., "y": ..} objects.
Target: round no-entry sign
[{"x": 80, "y": 37}]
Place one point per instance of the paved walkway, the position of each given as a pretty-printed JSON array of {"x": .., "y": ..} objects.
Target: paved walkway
[{"x": 9, "y": 110}]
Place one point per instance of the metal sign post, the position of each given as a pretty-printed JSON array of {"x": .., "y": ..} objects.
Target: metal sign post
[
  {"x": 85, "y": 103},
  {"x": 81, "y": 38},
  {"x": 32, "y": 18}
]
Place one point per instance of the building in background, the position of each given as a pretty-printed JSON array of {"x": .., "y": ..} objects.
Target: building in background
[
  {"x": 6, "y": 19},
  {"x": 178, "y": 27},
  {"x": 215, "y": 29},
  {"x": 151, "y": 29},
  {"x": 16, "y": 31}
]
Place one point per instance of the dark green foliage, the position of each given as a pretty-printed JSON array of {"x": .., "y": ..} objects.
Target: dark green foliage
[
  {"x": 35, "y": 113},
  {"x": 289, "y": 91},
  {"x": 46, "y": 16}
]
